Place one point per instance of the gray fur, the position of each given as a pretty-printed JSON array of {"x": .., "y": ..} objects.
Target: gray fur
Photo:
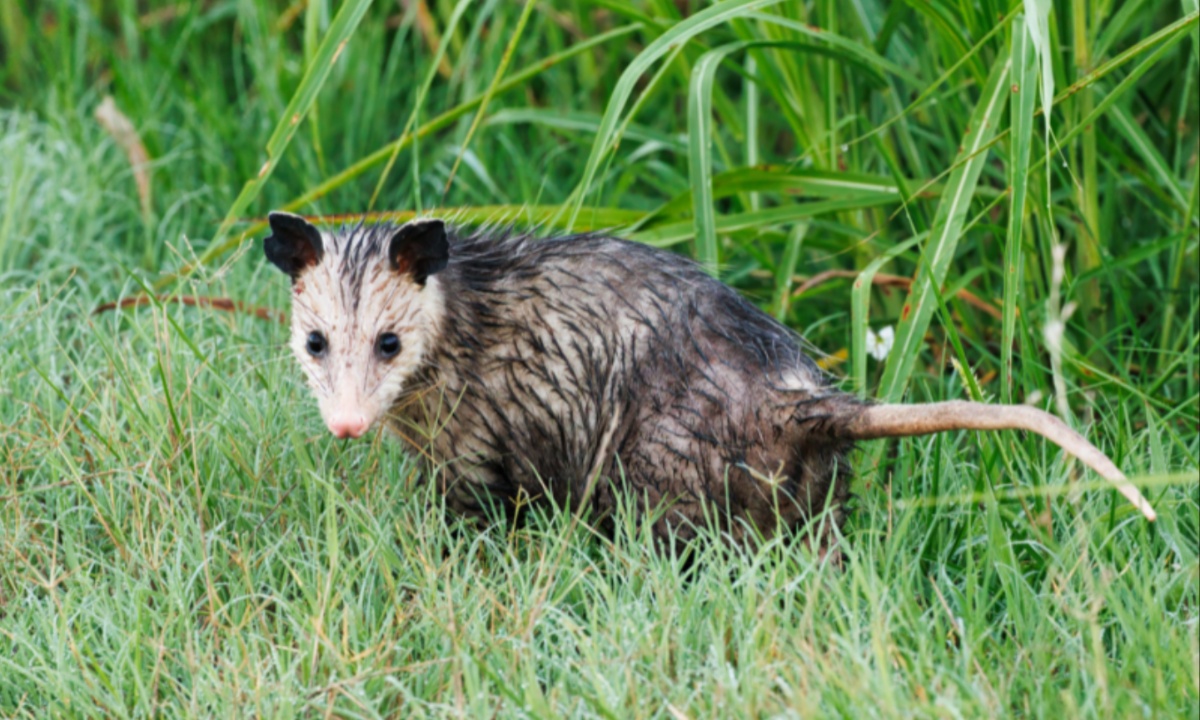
[
  {"x": 587, "y": 368},
  {"x": 588, "y": 358}
]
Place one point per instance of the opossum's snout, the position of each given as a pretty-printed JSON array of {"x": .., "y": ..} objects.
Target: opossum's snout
[
  {"x": 348, "y": 422},
  {"x": 348, "y": 426}
]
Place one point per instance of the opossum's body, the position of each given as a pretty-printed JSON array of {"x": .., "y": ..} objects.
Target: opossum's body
[
  {"x": 588, "y": 361},
  {"x": 586, "y": 368}
]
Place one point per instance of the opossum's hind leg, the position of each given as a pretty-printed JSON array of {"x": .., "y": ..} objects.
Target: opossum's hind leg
[
  {"x": 806, "y": 494},
  {"x": 822, "y": 533},
  {"x": 825, "y": 486},
  {"x": 883, "y": 421}
]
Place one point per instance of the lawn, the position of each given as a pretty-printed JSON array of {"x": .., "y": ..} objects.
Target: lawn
[{"x": 180, "y": 536}]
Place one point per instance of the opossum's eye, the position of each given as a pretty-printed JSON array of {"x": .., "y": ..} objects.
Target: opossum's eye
[
  {"x": 387, "y": 346},
  {"x": 316, "y": 344}
]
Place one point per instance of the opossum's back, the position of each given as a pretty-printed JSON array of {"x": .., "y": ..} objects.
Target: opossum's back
[{"x": 671, "y": 300}]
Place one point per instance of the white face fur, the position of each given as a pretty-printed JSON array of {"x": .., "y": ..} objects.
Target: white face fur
[{"x": 365, "y": 309}]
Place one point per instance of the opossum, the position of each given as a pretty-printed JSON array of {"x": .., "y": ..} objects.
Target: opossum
[{"x": 589, "y": 369}]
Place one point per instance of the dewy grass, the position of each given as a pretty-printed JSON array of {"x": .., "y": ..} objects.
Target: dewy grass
[{"x": 178, "y": 536}]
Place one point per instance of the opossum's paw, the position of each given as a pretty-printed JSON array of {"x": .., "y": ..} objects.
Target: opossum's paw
[
  {"x": 831, "y": 554},
  {"x": 825, "y": 541}
]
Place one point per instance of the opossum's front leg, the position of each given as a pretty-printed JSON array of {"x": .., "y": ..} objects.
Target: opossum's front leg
[{"x": 478, "y": 489}]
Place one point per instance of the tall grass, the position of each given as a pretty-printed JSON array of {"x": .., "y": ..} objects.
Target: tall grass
[{"x": 177, "y": 537}]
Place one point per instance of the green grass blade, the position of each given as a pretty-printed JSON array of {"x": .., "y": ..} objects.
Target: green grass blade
[
  {"x": 1024, "y": 87},
  {"x": 675, "y": 233},
  {"x": 539, "y": 215},
  {"x": 607, "y": 139},
  {"x": 787, "y": 268},
  {"x": 931, "y": 89},
  {"x": 944, "y": 234},
  {"x": 1144, "y": 147},
  {"x": 491, "y": 91},
  {"x": 459, "y": 10},
  {"x": 1161, "y": 43},
  {"x": 312, "y": 26},
  {"x": 584, "y": 122},
  {"x": 220, "y": 247},
  {"x": 843, "y": 48},
  {"x": 794, "y": 182},
  {"x": 860, "y": 306},
  {"x": 753, "y": 114},
  {"x": 340, "y": 31},
  {"x": 1166, "y": 37},
  {"x": 699, "y": 123}
]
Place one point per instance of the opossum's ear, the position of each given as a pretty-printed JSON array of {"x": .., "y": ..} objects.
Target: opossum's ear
[
  {"x": 294, "y": 243},
  {"x": 419, "y": 248}
]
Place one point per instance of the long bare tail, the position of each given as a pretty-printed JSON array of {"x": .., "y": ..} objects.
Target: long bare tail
[{"x": 871, "y": 422}]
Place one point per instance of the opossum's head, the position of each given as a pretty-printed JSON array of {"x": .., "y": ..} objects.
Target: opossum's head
[{"x": 366, "y": 308}]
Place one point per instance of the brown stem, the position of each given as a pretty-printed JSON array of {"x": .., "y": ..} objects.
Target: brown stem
[
  {"x": 885, "y": 280},
  {"x": 195, "y": 301}
]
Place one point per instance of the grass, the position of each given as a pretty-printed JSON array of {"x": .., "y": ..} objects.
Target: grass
[{"x": 179, "y": 537}]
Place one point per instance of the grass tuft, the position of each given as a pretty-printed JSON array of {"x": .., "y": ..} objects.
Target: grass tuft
[{"x": 178, "y": 537}]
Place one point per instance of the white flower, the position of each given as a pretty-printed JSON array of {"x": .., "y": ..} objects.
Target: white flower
[{"x": 879, "y": 345}]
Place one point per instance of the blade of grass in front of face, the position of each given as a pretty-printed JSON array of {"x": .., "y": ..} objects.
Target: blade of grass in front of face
[
  {"x": 340, "y": 32},
  {"x": 419, "y": 101},
  {"x": 1024, "y": 60},
  {"x": 945, "y": 233}
]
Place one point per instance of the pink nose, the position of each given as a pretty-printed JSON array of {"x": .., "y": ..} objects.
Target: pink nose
[{"x": 351, "y": 425}]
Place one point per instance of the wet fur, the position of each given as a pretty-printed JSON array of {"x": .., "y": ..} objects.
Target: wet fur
[
  {"x": 584, "y": 368},
  {"x": 587, "y": 369}
]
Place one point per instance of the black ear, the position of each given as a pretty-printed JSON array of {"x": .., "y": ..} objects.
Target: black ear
[
  {"x": 294, "y": 243},
  {"x": 420, "y": 248}
]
